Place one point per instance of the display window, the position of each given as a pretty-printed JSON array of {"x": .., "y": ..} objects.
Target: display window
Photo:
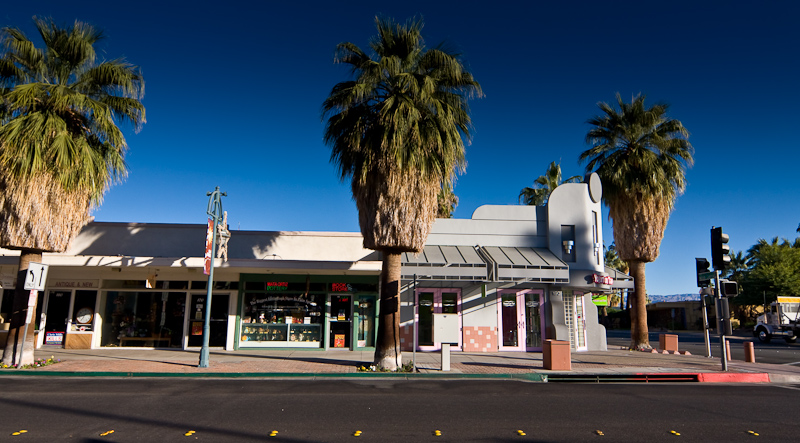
[
  {"x": 285, "y": 319},
  {"x": 143, "y": 319}
]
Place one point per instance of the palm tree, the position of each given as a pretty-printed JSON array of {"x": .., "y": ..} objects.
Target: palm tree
[
  {"x": 612, "y": 260},
  {"x": 544, "y": 186},
  {"x": 60, "y": 147},
  {"x": 447, "y": 201},
  {"x": 395, "y": 132},
  {"x": 641, "y": 156}
]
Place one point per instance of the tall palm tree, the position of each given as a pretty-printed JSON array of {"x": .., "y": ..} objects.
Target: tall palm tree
[
  {"x": 544, "y": 186},
  {"x": 60, "y": 146},
  {"x": 395, "y": 132},
  {"x": 641, "y": 156}
]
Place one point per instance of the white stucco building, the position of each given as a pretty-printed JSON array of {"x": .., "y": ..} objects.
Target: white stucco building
[{"x": 514, "y": 276}]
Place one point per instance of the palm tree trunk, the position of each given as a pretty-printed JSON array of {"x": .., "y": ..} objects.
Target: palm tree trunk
[
  {"x": 387, "y": 347},
  {"x": 639, "y": 333},
  {"x": 14, "y": 345}
]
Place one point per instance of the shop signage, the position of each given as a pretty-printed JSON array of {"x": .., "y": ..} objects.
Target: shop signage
[
  {"x": 53, "y": 338},
  {"x": 277, "y": 285},
  {"x": 75, "y": 284},
  {"x": 341, "y": 287},
  {"x": 784, "y": 299},
  {"x": 295, "y": 298},
  {"x": 603, "y": 279}
]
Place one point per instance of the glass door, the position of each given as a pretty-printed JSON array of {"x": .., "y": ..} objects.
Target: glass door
[
  {"x": 341, "y": 325},
  {"x": 533, "y": 321},
  {"x": 56, "y": 317},
  {"x": 520, "y": 320},
  {"x": 580, "y": 323},
  {"x": 435, "y": 301},
  {"x": 218, "y": 323},
  {"x": 366, "y": 314}
]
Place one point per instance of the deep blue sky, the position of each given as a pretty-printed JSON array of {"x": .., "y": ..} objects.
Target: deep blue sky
[{"x": 233, "y": 95}]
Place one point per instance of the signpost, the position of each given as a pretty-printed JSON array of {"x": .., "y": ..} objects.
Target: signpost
[{"x": 35, "y": 280}]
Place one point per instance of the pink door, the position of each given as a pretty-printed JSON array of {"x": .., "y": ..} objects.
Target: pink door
[
  {"x": 435, "y": 301},
  {"x": 519, "y": 320}
]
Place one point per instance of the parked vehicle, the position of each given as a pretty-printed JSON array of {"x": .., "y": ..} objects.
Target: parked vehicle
[{"x": 781, "y": 320}]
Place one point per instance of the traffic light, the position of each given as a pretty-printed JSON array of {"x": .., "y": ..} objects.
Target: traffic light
[
  {"x": 728, "y": 288},
  {"x": 719, "y": 250},
  {"x": 704, "y": 274}
]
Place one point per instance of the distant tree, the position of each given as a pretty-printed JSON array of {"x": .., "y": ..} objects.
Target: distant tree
[
  {"x": 773, "y": 271},
  {"x": 544, "y": 186},
  {"x": 60, "y": 146},
  {"x": 446, "y": 201},
  {"x": 612, "y": 260},
  {"x": 640, "y": 155},
  {"x": 397, "y": 132}
]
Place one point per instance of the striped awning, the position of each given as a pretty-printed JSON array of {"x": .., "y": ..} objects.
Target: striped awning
[
  {"x": 444, "y": 263},
  {"x": 526, "y": 264}
]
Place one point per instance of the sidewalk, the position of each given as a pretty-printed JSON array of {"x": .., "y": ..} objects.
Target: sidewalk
[{"x": 616, "y": 364}]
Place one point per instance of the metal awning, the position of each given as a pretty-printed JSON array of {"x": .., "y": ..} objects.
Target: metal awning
[
  {"x": 444, "y": 263},
  {"x": 621, "y": 280},
  {"x": 526, "y": 264}
]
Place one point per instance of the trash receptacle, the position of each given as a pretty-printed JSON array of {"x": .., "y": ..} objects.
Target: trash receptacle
[
  {"x": 668, "y": 342},
  {"x": 556, "y": 355}
]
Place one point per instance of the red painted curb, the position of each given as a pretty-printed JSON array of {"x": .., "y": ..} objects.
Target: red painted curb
[{"x": 725, "y": 377}]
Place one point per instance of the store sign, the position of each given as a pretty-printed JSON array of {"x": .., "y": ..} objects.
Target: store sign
[
  {"x": 341, "y": 287},
  {"x": 80, "y": 284},
  {"x": 603, "y": 279},
  {"x": 277, "y": 285}
]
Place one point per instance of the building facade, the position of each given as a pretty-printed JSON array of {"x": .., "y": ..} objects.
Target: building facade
[{"x": 512, "y": 276}]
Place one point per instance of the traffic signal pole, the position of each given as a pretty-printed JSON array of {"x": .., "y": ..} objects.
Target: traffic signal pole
[{"x": 721, "y": 318}]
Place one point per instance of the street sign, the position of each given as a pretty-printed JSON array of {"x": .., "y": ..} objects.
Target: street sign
[
  {"x": 36, "y": 276},
  {"x": 706, "y": 276}
]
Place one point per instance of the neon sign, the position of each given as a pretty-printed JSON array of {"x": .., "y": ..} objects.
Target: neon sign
[
  {"x": 277, "y": 285},
  {"x": 341, "y": 287},
  {"x": 603, "y": 279}
]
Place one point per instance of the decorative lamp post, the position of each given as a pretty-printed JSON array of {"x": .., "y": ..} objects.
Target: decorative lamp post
[{"x": 215, "y": 216}]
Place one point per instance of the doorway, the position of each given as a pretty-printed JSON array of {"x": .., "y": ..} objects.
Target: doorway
[
  {"x": 56, "y": 317},
  {"x": 435, "y": 301},
  {"x": 520, "y": 319},
  {"x": 218, "y": 323}
]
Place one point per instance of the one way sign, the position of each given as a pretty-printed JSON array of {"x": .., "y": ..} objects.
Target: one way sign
[{"x": 36, "y": 276}]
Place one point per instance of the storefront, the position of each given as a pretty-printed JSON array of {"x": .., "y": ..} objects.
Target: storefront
[
  {"x": 514, "y": 275},
  {"x": 307, "y": 311}
]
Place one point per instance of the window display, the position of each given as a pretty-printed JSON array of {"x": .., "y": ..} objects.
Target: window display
[{"x": 288, "y": 320}]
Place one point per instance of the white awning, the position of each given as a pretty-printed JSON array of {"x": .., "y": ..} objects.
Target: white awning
[
  {"x": 444, "y": 263},
  {"x": 526, "y": 264}
]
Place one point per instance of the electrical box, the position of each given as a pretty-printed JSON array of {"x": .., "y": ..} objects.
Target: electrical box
[{"x": 445, "y": 328}]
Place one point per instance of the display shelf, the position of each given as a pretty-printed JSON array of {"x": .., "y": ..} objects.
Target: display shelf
[{"x": 281, "y": 335}]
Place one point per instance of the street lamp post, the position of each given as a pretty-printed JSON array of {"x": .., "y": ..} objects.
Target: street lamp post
[{"x": 214, "y": 217}]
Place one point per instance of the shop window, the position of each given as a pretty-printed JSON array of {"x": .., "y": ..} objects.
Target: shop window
[
  {"x": 282, "y": 319},
  {"x": 7, "y": 304},
  {"x": 143, "y": 319},
  {"x": 221, "y": 285},
  {"x": 83, "y": 311}
]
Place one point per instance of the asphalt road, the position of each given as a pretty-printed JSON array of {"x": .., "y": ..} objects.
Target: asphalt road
[
  {"x": 165, "y": 410},
  {"x": 776, "y": 351}
]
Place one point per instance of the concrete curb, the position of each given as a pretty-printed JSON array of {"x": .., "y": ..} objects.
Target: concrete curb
[{"x": 529, "y": 377}]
